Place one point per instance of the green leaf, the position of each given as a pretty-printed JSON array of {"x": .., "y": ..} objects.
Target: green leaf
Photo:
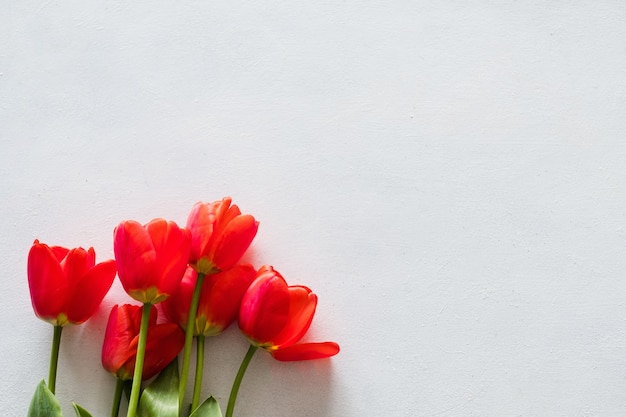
[
  {"x": 80, "y": 411},
  {"x": 160, "y": 398},
  {"x": 209, "y": 408},
  {"x": 44, "y": 403}
]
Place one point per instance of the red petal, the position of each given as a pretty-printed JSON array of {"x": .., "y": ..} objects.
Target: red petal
[
  {"x": 117, "y": 337},
  {"x": 221, "y": 296},
  {"x": 59, "y": 251},
  {"x": 47, "y": 283},
  {"x": 76, "y": 265},
  {"x": 265, "y": 306},
  {"x": 200, "y": 225},
  {"x": 172, "y": 246},
  {"x": 301, "y": 310},
  {"x": 176, "y": 306},
  {"x": 224, "y": 212},
  {"x": 306, "y": 351},
  {"x": 121, "y": 338},
  {"x": 89, "y": 291},
  {"x": 134, "y": 256},
  {"x": 164, "y": 342},
  {"x": 234, "y": 241},
  {"x": 232, "y": 212}
]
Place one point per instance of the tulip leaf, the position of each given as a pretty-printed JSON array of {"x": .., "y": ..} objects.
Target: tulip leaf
[
  {"x": 160, "y": 398},
  {"x": 44, "y": 403},
  {"x": 209, "y": 408},
  {"x": 80, "y": 411}
]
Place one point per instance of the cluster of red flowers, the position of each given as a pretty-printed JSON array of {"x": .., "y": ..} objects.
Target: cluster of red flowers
[{"x": 160, "y": 262}]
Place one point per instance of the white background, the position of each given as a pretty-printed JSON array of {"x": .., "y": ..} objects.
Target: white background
[{"x": 448, "y": 177}]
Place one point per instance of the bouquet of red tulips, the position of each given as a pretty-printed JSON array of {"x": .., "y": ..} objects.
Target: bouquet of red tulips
[{"x": 194, "y": 276}]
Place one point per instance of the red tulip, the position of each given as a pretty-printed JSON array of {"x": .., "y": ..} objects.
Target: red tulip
[
  {"x": 220, "y": 235},
  {"x": 151, "y": 259},
  {"x": 67, "y": 286},
  {"x": 119, "y": 350},
  {"x": 275, "y": 316},
  {"x": 219, "y": 302}
]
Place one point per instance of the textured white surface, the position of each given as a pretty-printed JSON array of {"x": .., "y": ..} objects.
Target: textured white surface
[{"x": 448, "y": 178}]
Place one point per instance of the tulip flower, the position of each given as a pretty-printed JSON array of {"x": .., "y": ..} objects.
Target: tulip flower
[
  {"x": 121, "y": 340},
  {"x": 151, "y": 259},
  {"x": 274, "y": 317},
  {"x": 220, "y": 235},
  {"x": 220, "y": 297},
  {"x": 121, "y": 337},
  {"x": 66, "y": 286}
]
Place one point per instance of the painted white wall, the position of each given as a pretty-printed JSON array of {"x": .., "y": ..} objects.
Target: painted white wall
[{"x": 447, "y": 176}]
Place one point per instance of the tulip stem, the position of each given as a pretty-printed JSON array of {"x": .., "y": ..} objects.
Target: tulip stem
[
  {"x": 54, "y": 357},
  {"x": 242, "y": 370},
  {"x": 141, "y": 352},
  {"x": 191, "y": 324},
  {"x": 197, "y": 387},
  {"x": 117, "y": 398}
]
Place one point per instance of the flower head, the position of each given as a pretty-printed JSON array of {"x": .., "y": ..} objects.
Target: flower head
[
  {"x": 121, "y": 339},
  {"x": 151, "y": 259},
  {"x": 66, "y": 285},
  {"x": 220, "y": 235},
  {"x": 275, "y": 316},
  {"x": 220, "y": 297}
]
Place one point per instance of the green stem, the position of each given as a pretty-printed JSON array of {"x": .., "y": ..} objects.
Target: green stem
[
  {"x": 54, "y": 358},
  {"x": 197, "y": 387},
  {"x": 117, "y": 398},
  {"x": 191, "y": 323},
  {"x": 141, "y": 352},
  {"x": 238, "y": 378}
]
